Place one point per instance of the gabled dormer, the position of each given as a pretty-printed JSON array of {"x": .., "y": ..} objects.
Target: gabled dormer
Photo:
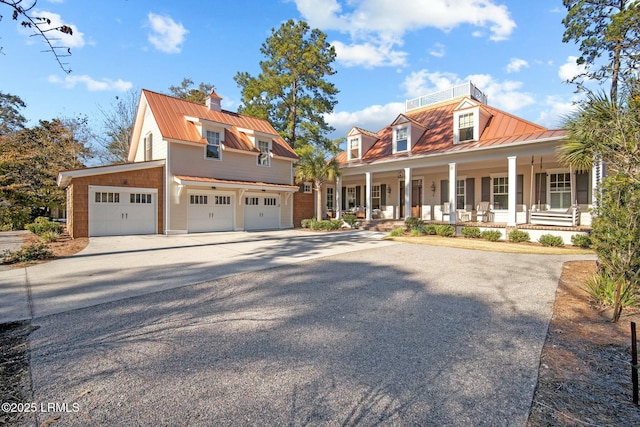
[
  {"x": 406, "y": 132},
  {"x": 359, "y": 141},
  {"x": 469, "y": 121}
]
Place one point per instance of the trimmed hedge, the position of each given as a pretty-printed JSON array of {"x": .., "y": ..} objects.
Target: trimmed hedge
[
  {"x": 471, "y": 232},
  {"x": 518, "y": 236},
  {"x": 491, "y": 235},
  {"x": 551, "y": 240}
]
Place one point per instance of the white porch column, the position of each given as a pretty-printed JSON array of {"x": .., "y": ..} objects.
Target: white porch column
[
  {"x": 338, "y": 198},
  {"x": 367, "y": 192},
  {"x": 407, "y": 193},
  {"x": 452, "y": 193},
  {"x": 513, "y": 190}
]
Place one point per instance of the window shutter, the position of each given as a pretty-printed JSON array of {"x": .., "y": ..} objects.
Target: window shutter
[
  {"x": 444, "y": 191},
  {"x": 301, "y": 187},
  {"x": 582, "y": 188},
  {"x": 358, "y": 195},
  {"x": 470, "y": 192},
  {"x": 486, "y": 189},
  {"x": 383, "y": 194},
  {"x": 540, "y": 198},
  {"x": 519, "y": 190},
  {"x": 343, "y": 201}
]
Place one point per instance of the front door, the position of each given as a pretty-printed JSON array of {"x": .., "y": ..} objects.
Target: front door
[{"x": 416, "y": 198}]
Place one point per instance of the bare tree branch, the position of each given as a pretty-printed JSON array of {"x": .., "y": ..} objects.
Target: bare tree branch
[{"x": 37, "y": 24}]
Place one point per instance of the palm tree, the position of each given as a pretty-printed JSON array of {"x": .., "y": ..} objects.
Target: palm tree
[{"x": 314, "y": 166}]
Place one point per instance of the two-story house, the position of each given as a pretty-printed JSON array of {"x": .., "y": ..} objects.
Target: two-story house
[
  {"x": 452, "y": 157},
  {"x": 193, "y": 168}
]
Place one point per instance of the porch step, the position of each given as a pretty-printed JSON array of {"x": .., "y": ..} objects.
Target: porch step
[{"x": 385, "y": 225}]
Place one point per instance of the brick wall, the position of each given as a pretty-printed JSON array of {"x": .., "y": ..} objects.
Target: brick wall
[
  {"x": 78, "y": 195},
  {"x": 302, "y": 207}
]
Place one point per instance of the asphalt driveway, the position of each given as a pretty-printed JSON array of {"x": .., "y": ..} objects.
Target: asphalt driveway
[{"x": 363, "y": 333}]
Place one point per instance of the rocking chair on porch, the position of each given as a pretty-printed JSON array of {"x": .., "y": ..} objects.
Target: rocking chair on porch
[{"x": 483, "y": 212}]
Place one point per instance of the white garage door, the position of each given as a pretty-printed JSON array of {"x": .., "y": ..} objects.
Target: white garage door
[
  {"x": 117, "y": 211},
  {"x": 261, "y": 212},
  {"x": 210, "y": 211}
]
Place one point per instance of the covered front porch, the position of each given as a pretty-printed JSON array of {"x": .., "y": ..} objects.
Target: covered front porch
[{"x": 510, "y": 189}]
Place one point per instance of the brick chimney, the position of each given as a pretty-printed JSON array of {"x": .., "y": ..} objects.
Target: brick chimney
[{"x": 213, "y": 101}]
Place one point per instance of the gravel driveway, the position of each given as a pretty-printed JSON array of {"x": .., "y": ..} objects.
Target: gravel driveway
[{"x": 395, "y": 335}]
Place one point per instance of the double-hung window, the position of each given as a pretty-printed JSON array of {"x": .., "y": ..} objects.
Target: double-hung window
[
  {"x": 263, "y": 157},
  {"x": 354, "y": 148},
  {"x": 460, "y": 194},
  {"x": 560, "y": 190},
  {"x": 330, "y": 198},
  {"x": 465, "y": 127},
  {"x": 501, "y": 192},
  {"x": 375, "y": 197},
  {"x": 213, "y": 145},
  {"x": 402, "y": 139},
  {"x": 351, "y": 197}
]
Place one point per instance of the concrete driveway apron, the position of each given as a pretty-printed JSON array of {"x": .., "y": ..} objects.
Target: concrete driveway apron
[{"x": 113, "y": 268}]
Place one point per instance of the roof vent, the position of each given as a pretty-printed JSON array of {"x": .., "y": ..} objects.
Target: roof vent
[{"x": 214, "y": 101}]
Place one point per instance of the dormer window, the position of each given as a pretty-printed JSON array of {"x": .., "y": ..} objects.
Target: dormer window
[
  {"x": 465, "y": 127},
  {"x": 213, "y": 145},
  {"x": 354, "y": 148},
  {"x": 400, "y": 140},
  {"x": 263, "y": 157}
]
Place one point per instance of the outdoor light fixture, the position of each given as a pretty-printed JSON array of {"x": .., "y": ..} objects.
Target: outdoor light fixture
[
  {"x": 388, "y": 190},
  {"x": 433, "y": 188}
]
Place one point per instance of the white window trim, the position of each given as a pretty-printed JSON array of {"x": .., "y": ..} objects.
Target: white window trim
[
  {"x": 498, "y": 175},
  {"x": 476, "y": 125},
  {"x": 268, "y": 153},
  {"x": 309, "y": 185},
  {"x": 148, "y": 151},
  {"x": 572, "y": 183},
  {"x": 359, "y": 141},
  {"x": 207, "y": 144},
  {"x": 395, "y": 141}
]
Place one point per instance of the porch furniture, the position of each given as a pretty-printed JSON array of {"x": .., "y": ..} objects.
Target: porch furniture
[
  {"x": 464, "y": 215},
  {"x": 568, "y": 218},
  {"x": 445, "y": 211},
  {"x": 483, "y": 212}
]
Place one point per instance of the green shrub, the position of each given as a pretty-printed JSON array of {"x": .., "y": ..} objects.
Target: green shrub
[
  {"x": 42, "y": 225},
  {"x": 50, "y": 236},
  {"x": 419, "y": 232},
  {"x": 518, "y": 236},
  {"x": 551, "y": 240},
  {"x": 429, "y": 229},
  {"x": 350, "y": 219},
  {"x": 396, "y": 232},
  {"x": 581, "y": 240},
  {"x": 445, "y": 230},
  {"x": 491, "y": 235},
  {"x": 336, "y": 224},
  {"x": 471, "y": 232},
  {"x": 602, "y": 288},
  {"x": 413, "y": 223},
  {"x": 306, "y": 223},
  {"x": 32, "y": 252}
]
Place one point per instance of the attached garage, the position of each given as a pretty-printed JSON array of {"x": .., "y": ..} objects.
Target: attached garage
[
  {"x": 115, "y": 200},
  {"x": 261, "y": 211},
  {"x": 210, "y": 211},
  {"x": 118, "y": 211}
]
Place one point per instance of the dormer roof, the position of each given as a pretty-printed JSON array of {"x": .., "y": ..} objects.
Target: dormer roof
[
  {"x": 502, "y": 129},
  {"x": 179, "y": 120}
]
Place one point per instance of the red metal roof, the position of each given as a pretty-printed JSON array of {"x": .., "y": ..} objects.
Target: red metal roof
[
  {"x": 502, "y": 129},
  {"x": 170, "y": 113}
]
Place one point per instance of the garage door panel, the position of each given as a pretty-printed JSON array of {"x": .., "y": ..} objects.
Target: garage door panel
[
  {"x": 209, "y": 211},
  {"x": 261, "y": 212},
  {"x": 117, "y": 211}
]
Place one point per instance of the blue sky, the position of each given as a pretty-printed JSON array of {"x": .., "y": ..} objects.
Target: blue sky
[{"x": 387, "y": 51}]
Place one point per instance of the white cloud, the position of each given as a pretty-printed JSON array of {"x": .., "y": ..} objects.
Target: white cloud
[
  {"x": 506, "y": 95},
  {"x": 71, "y": 81},
  {"x": 74, "y": 40},
  {"x": 555, "y": 111},
  {"x": 570, "y": 69},
  {"x": 516, "y": 64},
  {"x": 368, "y": 55},
  {"x": 438, "y": 50},
  {"x": 372, "y": 118},
  {"x": 167, "y": 35},
  {"x": 384, "y": 23}
]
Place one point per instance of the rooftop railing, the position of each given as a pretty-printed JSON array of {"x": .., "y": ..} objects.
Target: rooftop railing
[{"x": 466, "y": 89}]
